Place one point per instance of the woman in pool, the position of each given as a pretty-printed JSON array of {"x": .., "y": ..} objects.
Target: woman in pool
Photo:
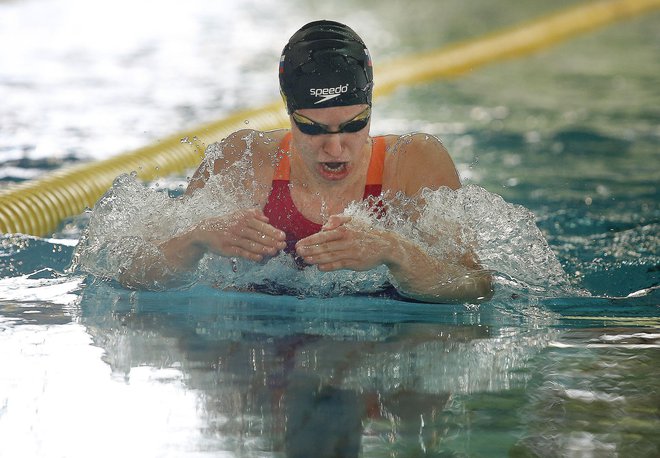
[{"x": 303, "y": 178}]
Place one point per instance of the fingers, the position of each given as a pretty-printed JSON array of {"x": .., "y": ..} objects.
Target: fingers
[
  {"x": 329, "y": 250},
  {"x": 329, "y": 260},
  {"x": 259, "y": 214},
  {"x": 321, "y": 247},
  {"x": 255, "y": 219},
  {"x": 260, "y": 230},
  {"x": 344, "y": 248},
  {"x": 335, "y": 221},
  {"x": 245, "y": 234},
  {"x": 325, "y": 236},
  {"x": 256, "y": 239},
  {"x": 334, "y": 260}
]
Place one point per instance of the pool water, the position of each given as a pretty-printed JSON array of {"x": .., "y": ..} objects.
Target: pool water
[{"x": 89, "y": 368}]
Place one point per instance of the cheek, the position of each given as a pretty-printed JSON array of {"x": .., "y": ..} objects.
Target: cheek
[
  {"x": 355, "y": 142},
  {"x": 312, "y": 145},
  {"x": 309, "y": 149},
  {"x": 303, "y": 143}
]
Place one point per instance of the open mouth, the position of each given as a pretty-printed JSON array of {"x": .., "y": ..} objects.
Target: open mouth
[{"x": 334, "y": 166}]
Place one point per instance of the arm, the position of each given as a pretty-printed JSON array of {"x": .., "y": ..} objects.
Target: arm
[
  {"x": 415, "y": 162},
  {"x": 419, "y": 276},
  {"x": 345, "y": 244},
  {"x": 418, "y": 161},
  {"x": 244, "y": 233},
  {"x": 423, "y": 162}
]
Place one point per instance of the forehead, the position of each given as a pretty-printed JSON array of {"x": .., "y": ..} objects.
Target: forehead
[{"x": 333, "y": 114}]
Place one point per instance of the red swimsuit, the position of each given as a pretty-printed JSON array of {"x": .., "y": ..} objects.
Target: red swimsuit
[{"x": 281, "y": 210}]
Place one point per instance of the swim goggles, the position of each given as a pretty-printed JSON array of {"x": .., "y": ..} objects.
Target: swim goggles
[{"x": 309, "y": 127}]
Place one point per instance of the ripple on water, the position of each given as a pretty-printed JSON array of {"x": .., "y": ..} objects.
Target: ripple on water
[{"x": 130, "y": 219}]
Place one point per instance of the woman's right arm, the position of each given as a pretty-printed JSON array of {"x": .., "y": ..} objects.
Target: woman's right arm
[{"x": 244, "y": 233}]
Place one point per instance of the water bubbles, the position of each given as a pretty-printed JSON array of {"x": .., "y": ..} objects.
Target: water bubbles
[
  {"x": 557, "y": 147},
  {"x": 500, "y": 112},
  {"x": 603, "y": 190},
  {"x": 480, "y": 114},
  {"x": 132, "y": 220},
  {"x": 532, "y": 136},
  {"x": 511, "y": 160}
]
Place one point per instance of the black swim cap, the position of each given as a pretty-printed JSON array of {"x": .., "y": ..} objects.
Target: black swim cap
[{"x": 325, "y": 64}]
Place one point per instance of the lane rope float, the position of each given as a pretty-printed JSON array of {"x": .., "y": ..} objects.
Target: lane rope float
[{"x": 37, "y": 207}]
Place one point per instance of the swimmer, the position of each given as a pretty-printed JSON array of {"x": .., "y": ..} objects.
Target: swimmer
[{"x": 303, "y": 179}]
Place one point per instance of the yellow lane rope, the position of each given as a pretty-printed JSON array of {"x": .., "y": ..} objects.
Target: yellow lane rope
[
  {"x": 513, "y": 42},
  {"x": 37, "y": 207}
]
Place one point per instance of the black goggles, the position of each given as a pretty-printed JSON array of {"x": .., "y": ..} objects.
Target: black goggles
[{"x": 309, "y": 127}]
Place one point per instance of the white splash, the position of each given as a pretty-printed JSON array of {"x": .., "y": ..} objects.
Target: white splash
[{"x": 131, "y": 219}]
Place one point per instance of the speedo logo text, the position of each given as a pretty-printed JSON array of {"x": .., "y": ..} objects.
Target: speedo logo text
[{"x": 328, "y": 93}]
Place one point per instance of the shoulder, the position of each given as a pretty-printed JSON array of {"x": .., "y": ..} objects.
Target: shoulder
[
  {"x": 245, "y": 144},
  {"x": 246, "y": 148},
  {"x": 416, "y": 161}
]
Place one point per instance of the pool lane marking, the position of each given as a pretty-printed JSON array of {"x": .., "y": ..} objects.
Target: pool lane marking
[{"x": 38, "y": 206}]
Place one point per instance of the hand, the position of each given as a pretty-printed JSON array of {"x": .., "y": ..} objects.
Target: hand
[
  {"x": 346, "y": 244},
  {"x": 246, "y": 234}
]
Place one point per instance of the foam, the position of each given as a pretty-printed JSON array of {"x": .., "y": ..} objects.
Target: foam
[{"x": 131, "y": 219}]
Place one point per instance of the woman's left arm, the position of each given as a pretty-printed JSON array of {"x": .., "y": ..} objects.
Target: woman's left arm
[
  {"x": 345, "y": 244},
  {"x": 416, "y": 162}
]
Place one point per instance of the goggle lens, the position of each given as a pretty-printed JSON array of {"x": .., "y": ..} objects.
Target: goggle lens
[{"x": 310, "y": 127}]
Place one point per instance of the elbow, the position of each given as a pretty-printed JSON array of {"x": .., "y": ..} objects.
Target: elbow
[
  {"x": 483, "y": 287},
  {"x": 479, "y": 283},
  {"x": 476, "y": 287}
]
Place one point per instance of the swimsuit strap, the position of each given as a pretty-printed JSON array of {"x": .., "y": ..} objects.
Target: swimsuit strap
[
  {"x": 377, "y": 161},
  {"x": 283, "y": 168}
]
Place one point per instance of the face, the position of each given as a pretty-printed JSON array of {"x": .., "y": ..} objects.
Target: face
[{"x": 336, "y": 156}]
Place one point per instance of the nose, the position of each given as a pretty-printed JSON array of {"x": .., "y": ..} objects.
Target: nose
[{"x": 332, "y": 145}]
